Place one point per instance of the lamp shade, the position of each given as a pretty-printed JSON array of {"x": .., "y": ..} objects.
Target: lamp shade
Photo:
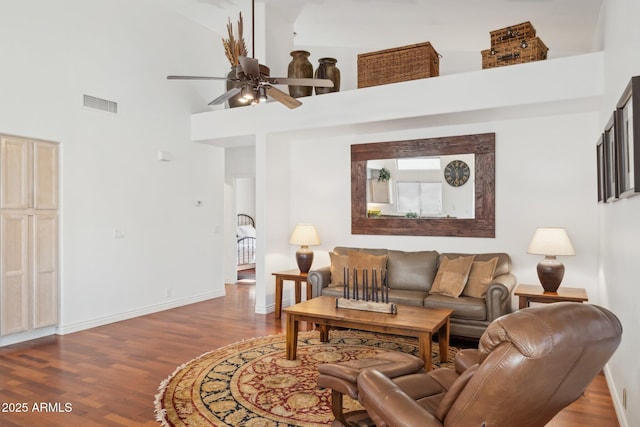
[
  {"x": 304, "y": 235},
  {"x": 551, "y": 241}
]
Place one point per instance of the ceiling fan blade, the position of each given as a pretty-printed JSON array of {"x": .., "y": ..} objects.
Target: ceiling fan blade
[
  {"x": 282, "y": 97},
  {"x": 225, "y": 96},
  {"x": 250, "y": 66},
  {"x": 300, "y": 81},
  {"x": 196, "y": 78}
]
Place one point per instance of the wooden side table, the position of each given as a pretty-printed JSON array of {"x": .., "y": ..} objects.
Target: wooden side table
[
  {"x": 297, "y": 278},
  {"x": 535, "y": 293}
]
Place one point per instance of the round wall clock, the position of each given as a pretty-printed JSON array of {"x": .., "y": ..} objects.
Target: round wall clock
[{"x": 457, "y": 173}]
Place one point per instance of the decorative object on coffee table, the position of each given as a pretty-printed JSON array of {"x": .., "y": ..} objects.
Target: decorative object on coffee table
[
  {"x": 551, "y": 242},
  {"x": 327, "y": 70},
  {"x": 300, "y": 67},
  {"x": 366, "y": 290},
  {"x": 304, "y": 235}
]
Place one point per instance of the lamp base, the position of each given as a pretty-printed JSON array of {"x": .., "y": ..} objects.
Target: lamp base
[
  {"x": 550, "y": 273},
  {"x": 304, "y": 258}
]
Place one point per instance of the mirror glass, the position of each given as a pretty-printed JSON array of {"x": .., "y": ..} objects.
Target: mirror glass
[
  {"x": 417, "y": 187},
  {"x": 424, "y": 187}
]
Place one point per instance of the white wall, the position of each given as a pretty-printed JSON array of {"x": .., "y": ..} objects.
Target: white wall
[
  {"x": 619, "y": 229},
  {"x": 171, "y": 254},
  {"x": 541, "y": 180}
]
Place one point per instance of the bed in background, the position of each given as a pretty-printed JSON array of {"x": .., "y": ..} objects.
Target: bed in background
[{"x": 246, "y": 235}]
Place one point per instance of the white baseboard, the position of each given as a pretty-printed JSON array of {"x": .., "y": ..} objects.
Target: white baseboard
[
  {"x": 616, "y": 398},
  {"x": 105, "y": 320},
  {"x": 27, "y": 336},
  {"x": 265, "y": 309}
]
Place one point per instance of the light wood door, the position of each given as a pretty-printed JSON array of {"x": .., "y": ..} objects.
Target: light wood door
[
  {"x": 15, "y": 273},
  {"x": 28, "y": 234},
  {"x": 15, "y": 173},
  {"x": 45, "y": 270}
]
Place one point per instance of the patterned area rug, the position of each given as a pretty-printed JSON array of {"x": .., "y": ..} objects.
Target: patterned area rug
[{"x": 251, "y": 383}]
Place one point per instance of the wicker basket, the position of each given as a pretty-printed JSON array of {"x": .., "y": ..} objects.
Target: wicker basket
[
  {"x": 524, "y": 31},
  {"x": 509, "y": 53},
  {"x": 417, "y": 61}
]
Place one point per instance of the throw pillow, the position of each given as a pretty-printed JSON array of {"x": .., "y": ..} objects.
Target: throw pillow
[
  {"x": 452, "y": 275},
  {"x": 363, "y": 261},
  {"x": 338, "y": 264},
  {"x": 353, "y": 260},
  {"x": 479, "y": 278}
]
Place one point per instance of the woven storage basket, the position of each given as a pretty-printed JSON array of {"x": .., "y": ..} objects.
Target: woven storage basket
[
  {"x": 524, "y": 31},
  {"x": 416, "y": 61},
  {"x": 512, "y": 52}
]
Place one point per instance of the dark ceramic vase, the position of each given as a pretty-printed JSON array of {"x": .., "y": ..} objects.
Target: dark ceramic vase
[
  {"x": 300, "y": 67},
  {"x": 327, "y": 70}
]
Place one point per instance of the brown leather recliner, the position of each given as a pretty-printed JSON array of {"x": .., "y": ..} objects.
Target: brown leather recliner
[{"x": 528, "y": 366}]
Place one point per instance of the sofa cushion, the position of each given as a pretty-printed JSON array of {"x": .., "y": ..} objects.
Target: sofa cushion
[
  {"x": 463, "y": 307},
  {"x": 354, "y": 259},
  {"x": 502, "y": 267},
  {"x": 452, "y": 275},
  {"x": 412, "y": 271},
  {"x": 480, "y": 276}
]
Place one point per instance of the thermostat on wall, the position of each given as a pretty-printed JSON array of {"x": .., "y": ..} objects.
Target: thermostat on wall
[{"x": 164, "y": 156}]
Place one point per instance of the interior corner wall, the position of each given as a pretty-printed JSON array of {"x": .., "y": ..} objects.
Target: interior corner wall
[
  {"x": 168, "y": 212},
  {"x": 619, "y": 228}
]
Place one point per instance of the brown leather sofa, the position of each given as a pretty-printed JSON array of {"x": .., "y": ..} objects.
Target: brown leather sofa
[
  {"x": 411, "y": 275},
  {"x": 529, "y": 365}
]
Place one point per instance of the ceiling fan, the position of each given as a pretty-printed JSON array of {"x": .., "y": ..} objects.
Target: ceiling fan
[{"x": 255, "y": 85}]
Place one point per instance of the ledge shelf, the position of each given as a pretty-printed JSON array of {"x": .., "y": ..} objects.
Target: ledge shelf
[{"x": 563, "y": 85}]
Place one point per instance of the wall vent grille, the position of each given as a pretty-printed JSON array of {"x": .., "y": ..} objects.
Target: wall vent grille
[{"x": 101, "y": 104}]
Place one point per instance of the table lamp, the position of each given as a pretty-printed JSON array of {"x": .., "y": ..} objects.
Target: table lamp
[
  {"x": 304, "y": 235},
  {"x": 550, "y": 242}
]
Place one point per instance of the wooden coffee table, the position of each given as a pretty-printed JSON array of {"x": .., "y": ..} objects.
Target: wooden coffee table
[{"x": 411, "y": 321}]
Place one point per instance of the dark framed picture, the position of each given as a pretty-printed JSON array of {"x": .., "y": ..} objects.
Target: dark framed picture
[
  {"x": 628, "y": 139},
  {"x": 602, "y": 197},
  {"x": 611, "y": 159}
]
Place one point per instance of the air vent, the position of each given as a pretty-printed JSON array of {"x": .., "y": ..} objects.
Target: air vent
[{"x": 101, "y": 104}]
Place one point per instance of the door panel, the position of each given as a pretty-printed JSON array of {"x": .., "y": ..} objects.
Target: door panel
[
  {"x": 14, "y": 270},
  {"x": 45, "y": 175},
  {"x": 45, "y": 270},
  {"x": 15, "y": 173}
]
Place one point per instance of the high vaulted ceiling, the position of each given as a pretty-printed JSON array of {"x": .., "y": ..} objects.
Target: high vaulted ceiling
[{"x": 567, "y": 26}]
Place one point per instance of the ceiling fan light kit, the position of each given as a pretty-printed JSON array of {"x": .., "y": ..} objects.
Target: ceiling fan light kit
[
  {"x": 251, "y": 83},
  {"x": 254, "y": 78}
]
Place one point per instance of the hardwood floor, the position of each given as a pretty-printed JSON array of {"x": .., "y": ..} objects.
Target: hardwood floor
[{"x": 108, "y": 376}]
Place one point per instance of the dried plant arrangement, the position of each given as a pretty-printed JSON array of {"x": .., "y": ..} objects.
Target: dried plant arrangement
[{"x": 234, "y": 46}]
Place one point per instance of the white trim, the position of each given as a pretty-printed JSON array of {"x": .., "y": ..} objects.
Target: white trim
[
  {"x": 26, "y": 336},
  {"x": 615, "y": 397},
  {"x": 100, "y": 321}
]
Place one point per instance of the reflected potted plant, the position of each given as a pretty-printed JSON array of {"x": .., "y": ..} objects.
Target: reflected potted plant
[{"x": 384, "y": 175}]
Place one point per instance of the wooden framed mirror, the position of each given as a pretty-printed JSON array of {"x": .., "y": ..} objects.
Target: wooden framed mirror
[{"x": 481, "y": 186}]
